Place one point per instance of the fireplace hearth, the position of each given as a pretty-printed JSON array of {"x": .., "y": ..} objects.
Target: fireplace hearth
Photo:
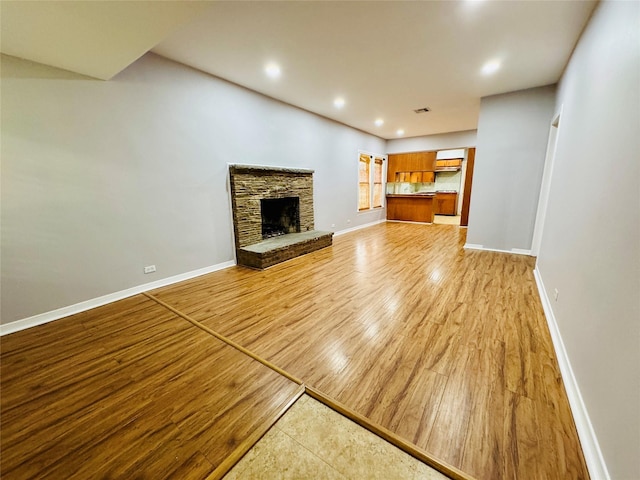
[{"x": 273, "y": 214}]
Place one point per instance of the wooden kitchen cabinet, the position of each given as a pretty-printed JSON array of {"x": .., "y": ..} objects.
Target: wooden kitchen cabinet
[
  {"x": 396, "y": 164},
  {"x": 426, "y": 161},
  {"x": 415, "y": 177},
  {"x": 403, "y": 176},
  {"x": 428, "y": 177},
  {"x": 445, "y": 203},
  {"x": 410, "y": 207},
  {"x": 454, "y": 162},
  {"x": 410, "y": 162}
]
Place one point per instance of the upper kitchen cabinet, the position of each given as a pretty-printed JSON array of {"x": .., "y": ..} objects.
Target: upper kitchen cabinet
[
  {"x": 427, "y": 161},
  {"x": 410, "y": 162},
  {"x": 449, "y": 165},
  {"x": 396, "y": 163}
]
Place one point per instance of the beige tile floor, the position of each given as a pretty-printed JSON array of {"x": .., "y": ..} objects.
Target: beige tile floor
[
  {"x": 446, "y": 219},
  {"x": 313, "y": 441}
]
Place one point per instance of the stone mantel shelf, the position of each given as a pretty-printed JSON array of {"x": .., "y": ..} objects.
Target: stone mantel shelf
[{"x": 262, "y": 169}]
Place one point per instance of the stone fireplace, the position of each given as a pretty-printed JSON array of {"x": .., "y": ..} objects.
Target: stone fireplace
[{"x": 273, "y": 214}]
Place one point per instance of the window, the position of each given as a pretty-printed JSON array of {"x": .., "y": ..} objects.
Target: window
[
  {"x": 377, "y": 183},
  {"x": 370, "y": 184},
  {"x": 364, "y": 194}
]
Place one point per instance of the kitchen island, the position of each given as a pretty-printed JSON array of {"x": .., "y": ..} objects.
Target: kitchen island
[{"x": 411, "y": 207}]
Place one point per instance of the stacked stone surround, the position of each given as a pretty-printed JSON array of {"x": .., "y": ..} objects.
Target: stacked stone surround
[{"x": 252, "y": 183}]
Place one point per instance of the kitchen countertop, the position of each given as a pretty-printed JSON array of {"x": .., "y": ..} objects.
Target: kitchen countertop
[{"x": 427, "y": 195}]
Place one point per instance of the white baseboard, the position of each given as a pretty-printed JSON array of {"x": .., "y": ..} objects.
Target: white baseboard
[
  {"x": 590, "y": 446},
  {"x": 103, "y": 300},
  {"x": 359, "y": 227},
  {"x": 516, "y": 251}
]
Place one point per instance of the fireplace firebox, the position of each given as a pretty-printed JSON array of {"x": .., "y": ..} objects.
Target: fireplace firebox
[{"x": 280, "y": 216}]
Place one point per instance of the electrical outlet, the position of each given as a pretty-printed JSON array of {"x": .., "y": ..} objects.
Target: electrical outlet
[
  {"x": 150, "y": 269},
  {"x": 349, "y": 221},
  {"x": 555, "y": 294},
  {"x": 333, "y": 225}
]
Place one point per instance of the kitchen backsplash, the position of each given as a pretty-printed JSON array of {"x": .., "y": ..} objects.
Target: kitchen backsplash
[
  {"x": 444, "y": 181},
  {"x": 448, "y": 180},
  {"x": 406, "y": 187}
]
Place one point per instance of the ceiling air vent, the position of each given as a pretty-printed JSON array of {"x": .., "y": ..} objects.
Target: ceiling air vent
[{"x": 422, "y": 110}]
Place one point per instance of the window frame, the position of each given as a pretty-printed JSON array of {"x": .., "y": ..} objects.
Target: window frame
[
  {"x": 377, "y": 160},
  {"x": 363, "y": 158},
  {"x": 372, "y": 160}
]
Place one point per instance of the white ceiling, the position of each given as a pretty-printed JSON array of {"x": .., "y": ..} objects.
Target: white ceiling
[
  {"x": 384, "y": 58},
  {"x": 95, "y": 38}
]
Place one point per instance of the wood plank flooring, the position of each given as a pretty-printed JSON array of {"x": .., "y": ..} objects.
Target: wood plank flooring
[
  {"x": 445, "y": 347},
  {"x": 129, "y": 390}
]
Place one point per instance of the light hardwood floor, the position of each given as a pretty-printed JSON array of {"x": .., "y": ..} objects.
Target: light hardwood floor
[
  {"x": 129, "y": 390},
  {"x": 447, "y": 348}
]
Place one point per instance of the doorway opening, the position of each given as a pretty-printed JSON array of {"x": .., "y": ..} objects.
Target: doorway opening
[
  {"x": 545, "y": 186},
  {"x": 454, "y": 170}
]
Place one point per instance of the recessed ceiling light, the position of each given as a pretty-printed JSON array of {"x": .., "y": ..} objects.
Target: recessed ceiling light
[
  {"x": 400, "y": 132},
  {"x": 491, "y": 67},
  {"x": 273, "y": 70},
  {"x": 339, "y": 102},
  {"x": 379, "y": 122}
]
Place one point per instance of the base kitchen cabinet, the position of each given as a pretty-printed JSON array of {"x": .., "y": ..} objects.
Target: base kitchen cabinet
[
  {"x": 410, "y": 207},
  {"x": 445, "y": 203}
]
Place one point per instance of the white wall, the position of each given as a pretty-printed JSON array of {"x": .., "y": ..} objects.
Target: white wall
[
  {"x": 430, "y": 143},
  {"x": 102, "y": 178},
  {"x": 590, "y": 246},
  {"x": 447, "y": 154},
  {"x": 512, "y": 138}
]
